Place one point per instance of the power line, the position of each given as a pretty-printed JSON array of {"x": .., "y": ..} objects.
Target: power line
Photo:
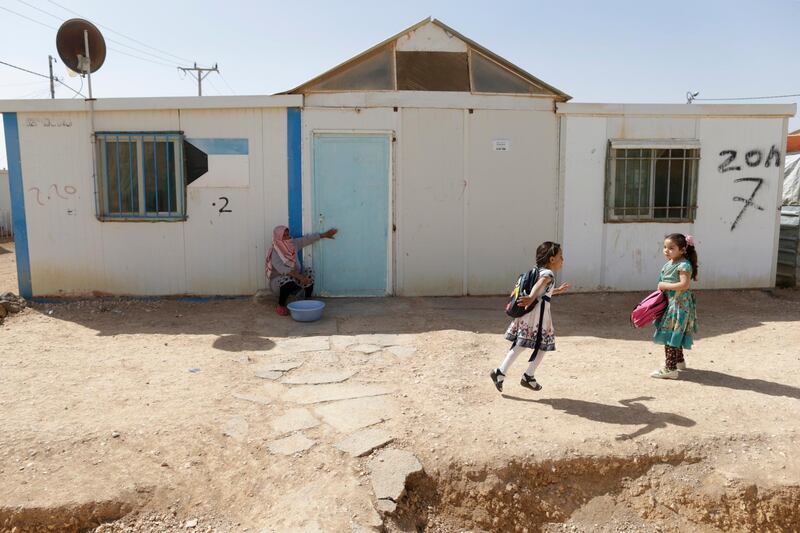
[
  {"x": 200, "y": 76},
  {"x": 226, "y": 82},
  {"x": 110, "y": 48},
  {"x": 24, "y": 70},
  {"x": 693, "y": 96},
  {"x": 42, "y": 76},
  {"x": 28, "y": 18},
  {"x": 121, "y": 34},
  {"x": 60, "y": 19}
]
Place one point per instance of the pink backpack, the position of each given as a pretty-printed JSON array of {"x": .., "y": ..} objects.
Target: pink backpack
[{"x": 649, "y": 309}]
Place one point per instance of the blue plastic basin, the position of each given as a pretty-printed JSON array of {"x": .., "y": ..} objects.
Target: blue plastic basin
[{"x": 306, "y": 310}]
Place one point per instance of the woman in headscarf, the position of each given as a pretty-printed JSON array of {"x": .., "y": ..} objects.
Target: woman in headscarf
[{"x": 283, "y": 270}]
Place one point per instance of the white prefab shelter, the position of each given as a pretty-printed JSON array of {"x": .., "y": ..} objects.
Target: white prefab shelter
[
  {"x": 726, "y": 181},
  {"x": 442, "y": 164}
]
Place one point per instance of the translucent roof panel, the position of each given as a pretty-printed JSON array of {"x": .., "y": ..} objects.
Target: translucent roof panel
[
  {"x": 432, "y": 71},
  {"x": 372, "y": 73},
  {"x": 489, "y": 77}
]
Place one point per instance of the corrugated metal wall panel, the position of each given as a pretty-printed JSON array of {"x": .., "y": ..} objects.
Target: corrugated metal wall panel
[
  {"x": 511, "y": 195},
  {"x": 431, "y": 195}
]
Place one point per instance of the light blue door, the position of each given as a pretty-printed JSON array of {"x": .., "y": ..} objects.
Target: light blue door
[{"x": 351, "y": 193}]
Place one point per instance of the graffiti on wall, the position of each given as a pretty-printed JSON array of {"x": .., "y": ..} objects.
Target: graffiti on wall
[
  {"x": 224, "y": 208},
  {"x": 68, "y": 191},
  {"x": 47, "y": 123},
  {"x": 752, "y": 159}
]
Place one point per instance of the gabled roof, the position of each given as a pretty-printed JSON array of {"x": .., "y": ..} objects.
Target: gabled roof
[{"x": 542, "y": 88}]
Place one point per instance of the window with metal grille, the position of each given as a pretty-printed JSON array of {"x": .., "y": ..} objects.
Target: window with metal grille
[
  {"x": 140, "y": 176},
  {"x": 651, "y": 183}
]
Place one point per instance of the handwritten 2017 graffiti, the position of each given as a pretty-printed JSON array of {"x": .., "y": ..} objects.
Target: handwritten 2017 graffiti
[
  {"x": 69, "y": 191},
  {"x": 752, "y": 159}
]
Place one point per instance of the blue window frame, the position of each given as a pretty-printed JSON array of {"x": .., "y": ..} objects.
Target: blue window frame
[{"x": 140, "y": 176}]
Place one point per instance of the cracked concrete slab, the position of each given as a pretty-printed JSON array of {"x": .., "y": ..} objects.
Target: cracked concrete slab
[
  {"x": 236, "y": 428},
  {"x": 291, "y": 445},
  {"x": 309, "y": 394},
  {"x": 386, "y": 339},
  {"x": 294, "y": 420},
  {"x": 302, "y": 344},
  {"x": 279, "y": 366},
  {"x": 402, "y": 352},
  {"x": 271, "y": 375},
  {"x": 364, "y": 348},
  {"x": 363, "y": 442},
  {"x": 319, "y": 377},
  {"x": 351, "y": 415},
  {"x": 255, "y": 398},
  {"x": 388, "y": 472}
]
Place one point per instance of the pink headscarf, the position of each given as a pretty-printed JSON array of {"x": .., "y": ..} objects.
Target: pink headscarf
[{"x": 284, "y": 248}]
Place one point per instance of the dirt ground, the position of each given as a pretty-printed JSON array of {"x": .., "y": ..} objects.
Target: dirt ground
[
  {"x": 164, "y": 415},
  {"x": 8, "y": 268}
]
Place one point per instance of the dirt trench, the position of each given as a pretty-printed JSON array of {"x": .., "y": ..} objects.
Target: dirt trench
[
  {"x": 67, "y": 518},
  {"x": 669, "y": 492}
]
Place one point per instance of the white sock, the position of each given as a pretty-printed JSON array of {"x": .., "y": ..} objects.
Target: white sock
[
  {"x": 511, "y": 356},
  {"x": 535, "y": 363}
]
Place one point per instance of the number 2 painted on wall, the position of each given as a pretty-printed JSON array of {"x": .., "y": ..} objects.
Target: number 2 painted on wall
[{"x": 223, "y": 208}]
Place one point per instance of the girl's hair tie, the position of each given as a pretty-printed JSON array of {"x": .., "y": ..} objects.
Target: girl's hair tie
[{"x": 689, "y": 240}]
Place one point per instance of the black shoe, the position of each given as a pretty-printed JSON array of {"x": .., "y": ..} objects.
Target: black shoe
[
  {"x": 529, "y": 382},
  {"x": 497, "y": 383}
]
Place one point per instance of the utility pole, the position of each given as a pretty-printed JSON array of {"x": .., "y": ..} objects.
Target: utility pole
[
  {"x": 200, "y": 75},
  {"x": 52, "y": 85}
]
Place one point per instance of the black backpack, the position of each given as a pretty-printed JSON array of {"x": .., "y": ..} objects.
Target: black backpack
[{"x": 524, "y": 286}]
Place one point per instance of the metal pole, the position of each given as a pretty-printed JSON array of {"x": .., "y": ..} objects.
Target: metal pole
[
  {"x": 52, "y": 85},
  {"x": 92, "y": 138},
  {"x": 199, "y": 74},
  {"x": 199, "y": 82}
]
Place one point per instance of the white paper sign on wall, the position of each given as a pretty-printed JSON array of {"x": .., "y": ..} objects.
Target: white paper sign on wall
[{"x": 501, "y": 145}]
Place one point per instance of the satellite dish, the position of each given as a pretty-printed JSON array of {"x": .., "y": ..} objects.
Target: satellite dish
[{"x": 72, "y": 46}]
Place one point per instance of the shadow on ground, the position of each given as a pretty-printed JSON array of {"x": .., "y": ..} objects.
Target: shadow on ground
[
  {"x": 240, "y": 323},
  {"x": 711, "y": 378},
  {"x": 632, "y": 412}
]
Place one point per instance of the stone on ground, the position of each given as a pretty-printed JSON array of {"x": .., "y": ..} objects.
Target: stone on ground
[
  {"x": 271, "y": 375},
  {"x": 362, "y": 442},
  {"x": 303, "y": 344},
  {"x": 279, "y": 366},
  {"x": 389, "y": 470},
  {"x": 236, "y": 428},
  {"x": 290, "y": 445},
  {"x": 319, "y": 377},
  {"x": 365, "y": 348},
  {"x": 255, "y": 398},
  {"x": 308, "y": 394},
  {"x": 402, "y": 351},
  {"x": 294, "y": 420},
  {"x": 347, "y": 416}
]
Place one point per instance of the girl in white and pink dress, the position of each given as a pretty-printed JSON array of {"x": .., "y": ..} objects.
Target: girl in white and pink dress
[{"x": 523, "y": 331}]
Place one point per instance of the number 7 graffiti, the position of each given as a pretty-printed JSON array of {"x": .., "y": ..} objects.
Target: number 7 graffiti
[{"x": 748, "y": 202}]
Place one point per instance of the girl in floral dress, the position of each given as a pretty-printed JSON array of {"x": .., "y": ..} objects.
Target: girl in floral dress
[
  {"x": 676, "y": 327},
  {"x": 523, "y": 330}
]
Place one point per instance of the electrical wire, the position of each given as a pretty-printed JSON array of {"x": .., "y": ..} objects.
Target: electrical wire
[
  {"x": 139, "y": 50},
  {"x": 110, "y": 48},
  {"x": 215, "y": 87},
  {"x": 110, "y": 40},
  {"x": 226, "y": 82},
  {"x": 121, "y": 34},
  {"x": 81, "y": 78},
  {"x": 751, "y": 97},
  {"x": 28, "y": 18},
  {"x": 44, "y": 76}
]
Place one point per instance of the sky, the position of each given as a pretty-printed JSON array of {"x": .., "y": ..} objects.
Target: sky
[{"x": 611, "y": 51}]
